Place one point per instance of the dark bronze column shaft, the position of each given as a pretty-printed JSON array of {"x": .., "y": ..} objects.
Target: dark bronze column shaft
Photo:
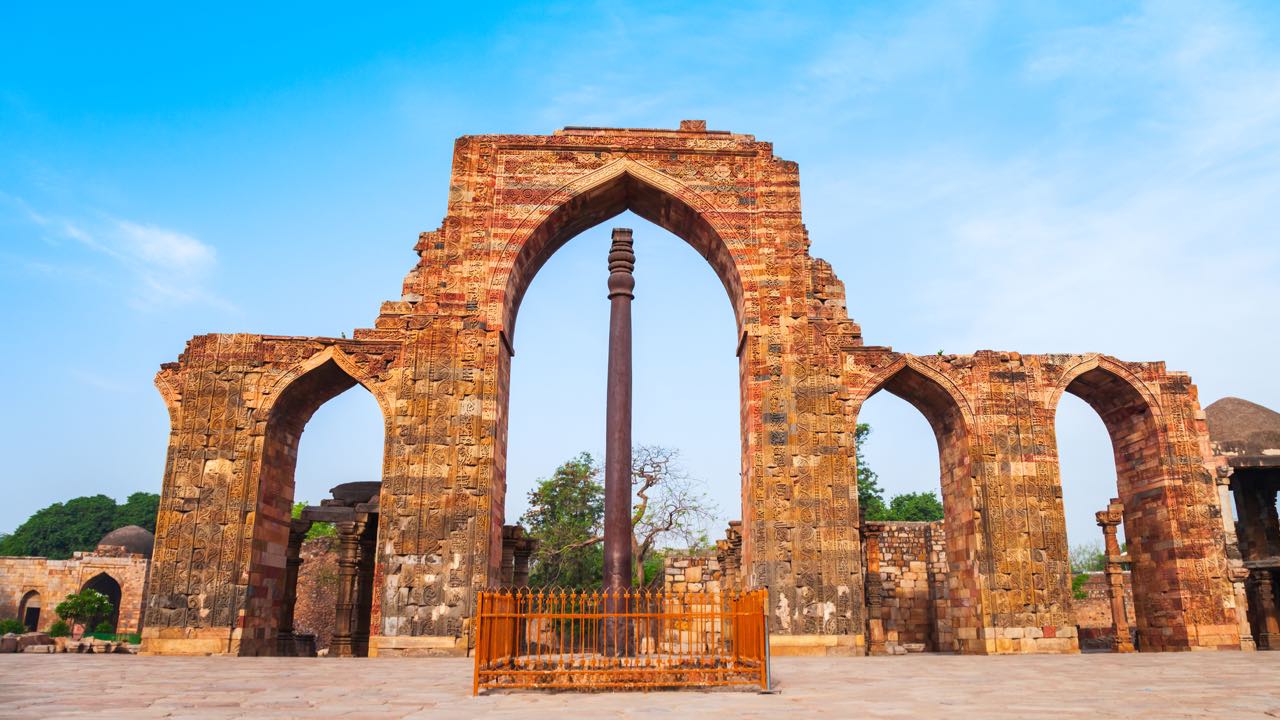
[{"x": 617, "y": 448}]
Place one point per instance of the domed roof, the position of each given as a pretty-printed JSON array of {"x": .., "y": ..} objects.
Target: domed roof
[
  {"x": 1241, "y": 429},
  {"x": 132, "y": 538}
]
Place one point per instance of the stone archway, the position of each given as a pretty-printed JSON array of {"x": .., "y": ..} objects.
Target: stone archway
[
  {"x": 438, "y": 360},
  {"x": 949, "y": 414},
  {"x": 1146, "y": 488}
]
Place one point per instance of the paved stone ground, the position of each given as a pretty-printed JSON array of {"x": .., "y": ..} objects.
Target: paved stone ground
[{"x": 1183, "y": 685}]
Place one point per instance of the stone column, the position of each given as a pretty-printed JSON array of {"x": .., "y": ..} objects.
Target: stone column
[
  {"x": 364, "y": 588},
  {"x": 875, "y": 591},
  {"x": 1266, "y": 610},
  {"x": 1236, "y": 570},
  {"x": 520, "y": 559},
  {"x": 1109, "y": 520},
  {"x": 349, "y": 532},
  {"x": 293, "y": 560},
  {"x": 506, "y": 575}
]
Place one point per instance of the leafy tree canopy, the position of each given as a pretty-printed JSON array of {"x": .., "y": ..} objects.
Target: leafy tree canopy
[
  {"x": 566, "y": 514},
  {"x": 78, "y": 524},
  {"x": 85, "y": 607}
]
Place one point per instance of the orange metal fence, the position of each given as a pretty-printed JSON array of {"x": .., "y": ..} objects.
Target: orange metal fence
[{"x": 627, "y": 640}]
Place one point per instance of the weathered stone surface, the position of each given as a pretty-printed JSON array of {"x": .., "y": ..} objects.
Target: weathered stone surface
[{"x": 438, "y": 362}]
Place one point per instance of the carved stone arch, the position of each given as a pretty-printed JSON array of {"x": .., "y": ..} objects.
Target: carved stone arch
[
  {"x": 968, "y": 544},
  {"x": 1139, "y": 438},
  {"x": 881, "y": 379},
  {"x": 1121, "y": 371},
  {"x": 594, "y": 197},
  {"x": 342, "y": 361}
]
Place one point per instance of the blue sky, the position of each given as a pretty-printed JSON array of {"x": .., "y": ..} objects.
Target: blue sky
[{"x": 1027, "y": 176}]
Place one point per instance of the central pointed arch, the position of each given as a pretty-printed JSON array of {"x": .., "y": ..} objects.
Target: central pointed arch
[{"x": 606, "y": 192}]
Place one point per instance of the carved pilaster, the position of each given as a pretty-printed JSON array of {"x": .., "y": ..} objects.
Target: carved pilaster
[
  {"x": 875, "y": 590},
  {"x": 348, "y": 566},
  {"x": 285, "y": 644}
]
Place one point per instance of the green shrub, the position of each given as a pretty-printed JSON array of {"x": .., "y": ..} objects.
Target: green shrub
[
  {"x": 1077, "y": 586},
  {"x": 12, "y": 626},
  {"x": 104, "y": 628},
  {"x": 59, "y": 628}
]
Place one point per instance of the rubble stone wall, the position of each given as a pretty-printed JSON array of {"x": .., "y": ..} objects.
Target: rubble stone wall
[{"x": 913, "y": 566}]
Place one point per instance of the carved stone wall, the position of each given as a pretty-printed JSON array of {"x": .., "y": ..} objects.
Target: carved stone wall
[{"x": 438, "y": 361}]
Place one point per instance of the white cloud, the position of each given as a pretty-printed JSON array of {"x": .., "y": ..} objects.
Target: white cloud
[{"x": 163, "y": 266}]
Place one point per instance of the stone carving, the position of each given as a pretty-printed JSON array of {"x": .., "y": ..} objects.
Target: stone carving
[{"x": 438, "y": 362}]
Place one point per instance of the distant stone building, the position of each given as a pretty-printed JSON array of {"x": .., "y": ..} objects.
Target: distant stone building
[{"x": 30, "y": 587}]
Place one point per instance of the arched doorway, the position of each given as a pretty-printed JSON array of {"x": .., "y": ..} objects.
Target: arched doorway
[
  {"x": 947, "y": 413},
  {"x": 300, "y": 394},
  {"x": 1087, "y": 472},
  {"x": 1129, "y": 415},
  {"x": 29, "y": 610},
  {"x": 108, "y": 586}
]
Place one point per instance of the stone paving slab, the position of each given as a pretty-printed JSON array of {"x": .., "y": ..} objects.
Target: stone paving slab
[{"x": 1172, "y": 685}]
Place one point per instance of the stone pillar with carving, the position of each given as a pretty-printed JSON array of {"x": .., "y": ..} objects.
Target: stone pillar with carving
[
  {"x": 349, "y": 532},
  {"x": 1266, "y": 609},
  {"x": 1109, "y": 520},
  {"x": 1236, "y": 570},
  {"x": 506, "y": 576},
  {"x": 875, "y": 590},
  {"x": 285, "y": 644},
  {"x": 521, "y": 554},
  {"x": 364, "y": 588}
]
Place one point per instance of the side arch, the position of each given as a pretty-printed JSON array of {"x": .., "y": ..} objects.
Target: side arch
[
  {"x": 1132, "y": 417},
  {"x": 287, "y": 407},
  {"x": 959, "y": 625},
  {"x": 29, "y": 609}
]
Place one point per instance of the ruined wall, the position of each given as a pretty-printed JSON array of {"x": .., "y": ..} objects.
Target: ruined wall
[
  {"x": 1093, "y": 611},
  {"x": 317, "y": 604},
  {"x": 438, "y": 361},
  {"x": 56, "y": 579},
  {"x": 694, "y": 573},
  {"x": 913, "y": 567}
]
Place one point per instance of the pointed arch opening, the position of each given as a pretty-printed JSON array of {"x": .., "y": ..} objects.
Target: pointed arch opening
[
  {"x": 923, "y": 611},
  {"x": 109, "y": 586},
  {"x": 301, "y": 394},
  {"x": 1129, "y": 415},
  {"x": 608, "y": 192},
  {"x": 622, "y": 186},
  {"x": 29, "y": 610}
]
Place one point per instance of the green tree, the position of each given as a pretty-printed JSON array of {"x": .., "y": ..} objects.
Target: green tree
[
  {"x": 565, "y": 516},
  {"x": 140, "y": 509},
  {"x": 870, "y": 495},
  {"x": 85, "y": 607},
  {"x": 61, "y": 529},
  {"x": 915, "y": 506},
  {"x": 1087, "y": 558}
]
